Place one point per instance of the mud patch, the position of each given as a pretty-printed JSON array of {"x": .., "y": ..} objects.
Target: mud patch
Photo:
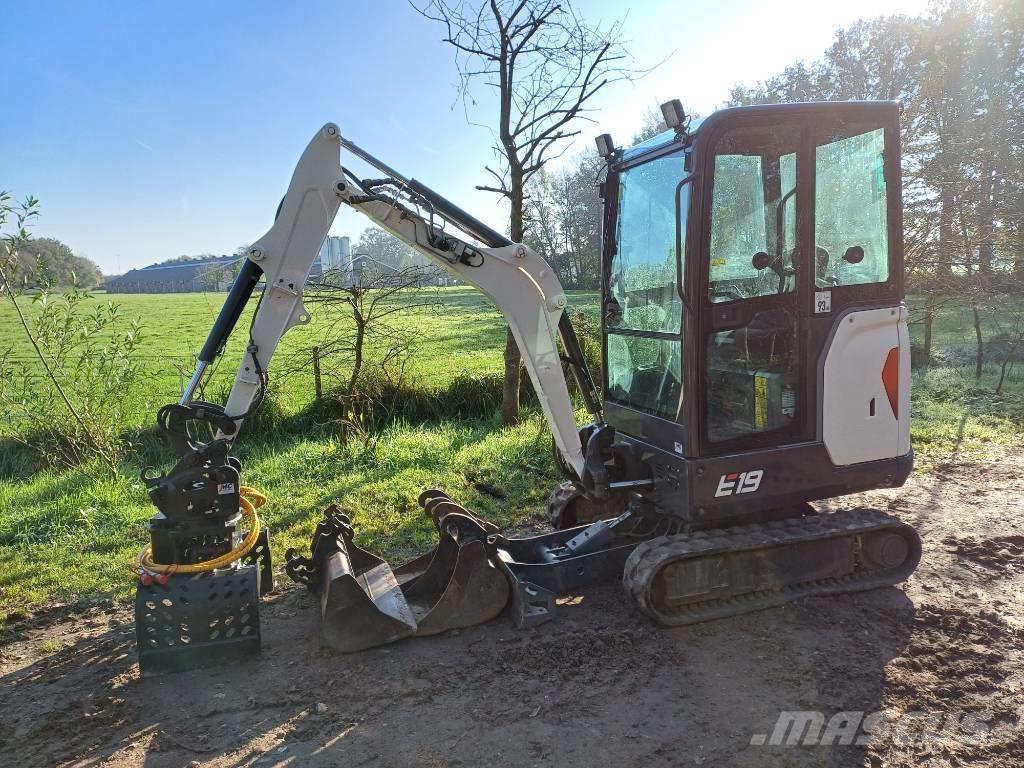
[{"x": 1003, "y": 555}]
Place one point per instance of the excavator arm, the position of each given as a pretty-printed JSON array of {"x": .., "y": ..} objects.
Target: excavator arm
[
  {"x": 522, "y": 285},
  {"x": 201, "y": 501}
]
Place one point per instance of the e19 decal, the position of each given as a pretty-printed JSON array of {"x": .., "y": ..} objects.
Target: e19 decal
[{"x": 736, "y": 483}]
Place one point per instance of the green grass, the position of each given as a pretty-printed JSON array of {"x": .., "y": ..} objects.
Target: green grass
[
  {"x": 70, "y": 536},
  {"x": 955, "y": 415},
  {"x": 463, "y": 332}
]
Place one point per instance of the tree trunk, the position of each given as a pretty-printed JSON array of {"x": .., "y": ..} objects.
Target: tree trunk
[
  {"x": 985, "y": 221},
  {"x": 357, "y": 361},
  {"x": 510, "y": 385},
  {"x": 929, "y": 320},
  {"x": 945, "y": 262},
  {"x": 513, "y": 357},
  {"x": 979, "y": 354},
  {"x": 1004, "y": 369}
]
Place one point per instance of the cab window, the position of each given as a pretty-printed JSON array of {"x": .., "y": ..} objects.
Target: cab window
[
  {"x": 645, "y": 373},
  {"x": 643, "y": 313},
  {"x": 753, "y": 214},
  {"x": 642, "y": 278},
  {"x": 850, "y": 213},
  {"x": 752, "y": 367}
]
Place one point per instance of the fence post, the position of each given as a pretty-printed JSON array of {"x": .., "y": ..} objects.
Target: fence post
[{"x": 316, "y": 373}]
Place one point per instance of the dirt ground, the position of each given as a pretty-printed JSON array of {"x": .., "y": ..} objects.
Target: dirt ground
[{"x": 599, "y": 685}]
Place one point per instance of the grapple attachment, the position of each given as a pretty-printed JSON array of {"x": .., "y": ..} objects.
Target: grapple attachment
[{"x": 364, "y": 603}]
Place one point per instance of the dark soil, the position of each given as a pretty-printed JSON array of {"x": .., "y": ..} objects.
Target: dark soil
[{"x": 598, "y": 686}]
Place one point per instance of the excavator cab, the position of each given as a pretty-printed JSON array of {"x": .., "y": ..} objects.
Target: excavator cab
[{"x": 755, "y": 341}]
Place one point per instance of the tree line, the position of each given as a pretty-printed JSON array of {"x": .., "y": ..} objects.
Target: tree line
[
  {"x": 48, "y": 259},
  {"x": 959, "y": 74}
]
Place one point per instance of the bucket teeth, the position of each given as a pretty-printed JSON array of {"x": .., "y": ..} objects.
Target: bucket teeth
[
  {"x": 437, "y": 504},
  {"x": 365, "y": 603}
]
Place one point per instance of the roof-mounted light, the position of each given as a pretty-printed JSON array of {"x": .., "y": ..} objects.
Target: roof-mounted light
[
  {"x": 674, "y": 115},
  {"x": 605, "y": 145}
]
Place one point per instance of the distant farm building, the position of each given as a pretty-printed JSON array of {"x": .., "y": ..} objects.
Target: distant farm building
[
  {"x": 214, "y": 274},
  {"x": 335, "y": 254},
  {"x": 218, "y": 273}
]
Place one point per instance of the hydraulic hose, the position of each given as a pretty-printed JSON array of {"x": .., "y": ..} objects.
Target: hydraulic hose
[{"x": 250, "y": 500}]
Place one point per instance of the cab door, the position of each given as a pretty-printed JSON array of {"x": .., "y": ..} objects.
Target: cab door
[
  {"x": 858, "y": 326},
  {"x": 751, "y": 290}
]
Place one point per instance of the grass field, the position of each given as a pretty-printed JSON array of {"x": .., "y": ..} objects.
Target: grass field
[{"x": 69, "y": 536}]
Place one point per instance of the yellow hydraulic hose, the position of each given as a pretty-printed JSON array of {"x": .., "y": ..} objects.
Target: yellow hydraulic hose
[{"x": 250, "y": 500}]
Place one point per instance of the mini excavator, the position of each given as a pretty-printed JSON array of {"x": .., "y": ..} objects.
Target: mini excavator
[{"x": 756, "y": 359}]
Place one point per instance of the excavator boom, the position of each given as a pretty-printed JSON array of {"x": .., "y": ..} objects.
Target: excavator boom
[{"x": 522, "y": 285}]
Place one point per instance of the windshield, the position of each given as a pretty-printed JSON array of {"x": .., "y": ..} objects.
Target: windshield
[
  {"x": 643, "y": 312},
  {"x": 642, "y": 277}
]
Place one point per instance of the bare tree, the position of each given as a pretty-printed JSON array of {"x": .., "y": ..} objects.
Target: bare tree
[
  {"x": 360, "y": 320},
  {"x": 546, "y": 64}
]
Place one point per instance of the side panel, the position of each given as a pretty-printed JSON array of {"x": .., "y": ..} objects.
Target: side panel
[
  {"x": 904, "y": 384},
  {"x": 866, "y": 387},
  {"x": 723, "y": 490}
]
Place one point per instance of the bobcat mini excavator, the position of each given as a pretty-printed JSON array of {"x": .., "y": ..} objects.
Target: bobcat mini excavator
[{"x": 756, "y": 358}]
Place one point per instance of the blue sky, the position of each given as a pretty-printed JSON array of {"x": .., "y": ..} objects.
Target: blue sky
[{"x": 154, "y": 129}]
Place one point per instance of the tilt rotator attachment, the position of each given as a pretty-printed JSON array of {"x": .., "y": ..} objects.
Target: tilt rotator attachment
[{"x": 200, "y": 578}]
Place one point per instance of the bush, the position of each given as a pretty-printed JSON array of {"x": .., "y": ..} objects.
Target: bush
[
  {"x": 589, "y": 334},
  {"x": 70, "y": 405},
  {"x": 955, "y": 355},
  {"x": 64, "y": 389},
  {"x": 1002, "y": 346},
  {"x": 378, "y": 401}
]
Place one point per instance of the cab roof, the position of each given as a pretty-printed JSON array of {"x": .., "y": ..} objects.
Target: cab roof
[{"x": 665, "y": 138}]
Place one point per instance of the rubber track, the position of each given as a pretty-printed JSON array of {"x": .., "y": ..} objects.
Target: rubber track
[{"x": 648, "y": 558}]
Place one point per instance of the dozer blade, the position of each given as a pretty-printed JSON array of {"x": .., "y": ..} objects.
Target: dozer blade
[{"x": 364, "y": 603}]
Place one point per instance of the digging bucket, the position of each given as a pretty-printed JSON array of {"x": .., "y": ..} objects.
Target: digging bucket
[
  {"x": 460, "y": 585},
  {"x": 364, "y": 603},
  {"x": 361, "y": 602}
]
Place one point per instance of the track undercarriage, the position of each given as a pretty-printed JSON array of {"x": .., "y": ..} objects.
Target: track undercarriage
[{"x": 676, "y": 577}]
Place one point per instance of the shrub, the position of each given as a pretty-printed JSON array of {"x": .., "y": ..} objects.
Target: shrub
[{"x": 65, "y": 388}]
